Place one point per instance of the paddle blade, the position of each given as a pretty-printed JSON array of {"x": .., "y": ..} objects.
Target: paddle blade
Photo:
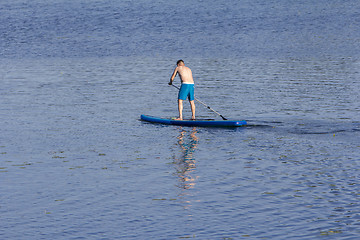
[{"x": 223, "y": 117}]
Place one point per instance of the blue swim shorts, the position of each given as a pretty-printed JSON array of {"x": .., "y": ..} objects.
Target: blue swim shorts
[{"x": 186, "y": 91}]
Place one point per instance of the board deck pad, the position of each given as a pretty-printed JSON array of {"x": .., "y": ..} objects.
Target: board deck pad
[{"x": 195, "y": 123}]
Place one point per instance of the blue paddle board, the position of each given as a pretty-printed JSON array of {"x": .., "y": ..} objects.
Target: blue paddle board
[{"x": 195, "y": 123}]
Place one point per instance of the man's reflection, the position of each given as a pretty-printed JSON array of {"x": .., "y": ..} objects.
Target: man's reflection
[{"x": 185, "y": 165}]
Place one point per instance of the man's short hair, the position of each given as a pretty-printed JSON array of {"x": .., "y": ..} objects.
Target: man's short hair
[{"x": 177, "y": 63}]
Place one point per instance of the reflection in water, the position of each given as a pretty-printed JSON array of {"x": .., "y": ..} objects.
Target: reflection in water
[{"x": 185, "y": 165}]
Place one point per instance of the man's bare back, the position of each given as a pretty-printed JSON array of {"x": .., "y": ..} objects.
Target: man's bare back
[{"x": 184, "y": 73}]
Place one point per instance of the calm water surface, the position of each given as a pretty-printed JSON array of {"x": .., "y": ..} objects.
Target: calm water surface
[{"x": 77, "y": 163}]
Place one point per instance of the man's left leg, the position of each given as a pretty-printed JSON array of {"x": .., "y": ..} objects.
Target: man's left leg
[{"x": 180, "y": 107}]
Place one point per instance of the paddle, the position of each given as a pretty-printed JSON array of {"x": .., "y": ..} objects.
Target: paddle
[{"x": 204, "y": 105}]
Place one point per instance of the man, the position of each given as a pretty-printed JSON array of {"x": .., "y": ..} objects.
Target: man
[{"x": 186, "y": 89}]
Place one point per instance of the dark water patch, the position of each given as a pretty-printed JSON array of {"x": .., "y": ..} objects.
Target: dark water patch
[
  {"x": 301, "y": 126},
  {"x": 125, "y": 28}
]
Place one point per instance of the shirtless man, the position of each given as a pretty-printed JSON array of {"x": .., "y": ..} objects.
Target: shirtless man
[{"x": 186, "y": 89}]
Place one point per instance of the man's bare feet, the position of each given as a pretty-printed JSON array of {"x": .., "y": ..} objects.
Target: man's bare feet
[{"x": 177, "y": 118}]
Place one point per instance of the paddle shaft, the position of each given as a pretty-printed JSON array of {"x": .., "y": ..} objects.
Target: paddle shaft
[{"x": 205, "y": 105}]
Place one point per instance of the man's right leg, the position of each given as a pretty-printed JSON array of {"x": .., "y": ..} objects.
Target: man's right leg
[{"x": 192, "y": 105}]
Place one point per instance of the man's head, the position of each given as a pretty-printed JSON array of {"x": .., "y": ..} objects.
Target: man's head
[{"x": 180, "y": 62}]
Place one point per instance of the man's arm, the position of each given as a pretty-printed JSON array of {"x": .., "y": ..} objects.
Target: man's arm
[{"x": 173, "y": 76}]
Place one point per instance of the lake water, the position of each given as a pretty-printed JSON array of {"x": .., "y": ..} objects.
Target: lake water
[{"x": 77, "y": 163}]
